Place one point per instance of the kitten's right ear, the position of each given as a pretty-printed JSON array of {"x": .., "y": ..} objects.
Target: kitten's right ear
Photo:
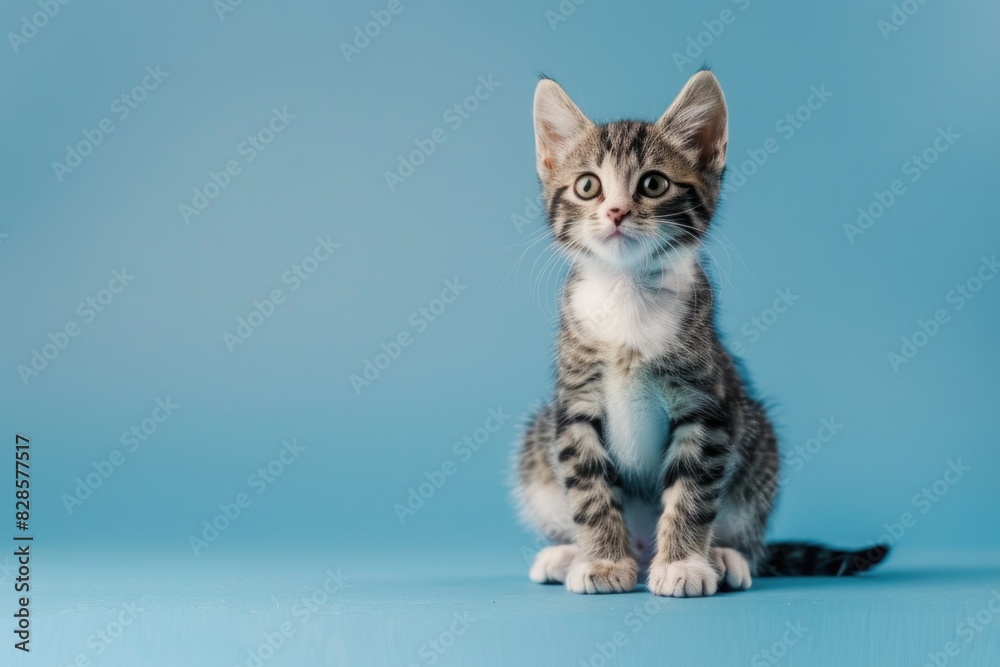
[{"x": 558, "y": 123}]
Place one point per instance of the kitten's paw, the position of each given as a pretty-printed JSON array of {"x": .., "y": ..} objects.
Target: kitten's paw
[
  {"x": 552, "y": 564},
  {"x": 691, "y": 577},
  {"x": 602, "y": 576},
  {"x": 734, "y": 567}
]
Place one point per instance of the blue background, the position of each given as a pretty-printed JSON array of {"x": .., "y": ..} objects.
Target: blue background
[{"x": 455, "y": 218}]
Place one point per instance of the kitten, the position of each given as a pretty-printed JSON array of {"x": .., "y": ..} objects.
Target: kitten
[{"x": 652, "y": 457}]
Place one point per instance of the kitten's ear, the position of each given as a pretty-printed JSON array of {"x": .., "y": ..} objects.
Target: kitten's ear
[
  {"x": 698, "y": 119},
  {"x": 558, "y": 123}
]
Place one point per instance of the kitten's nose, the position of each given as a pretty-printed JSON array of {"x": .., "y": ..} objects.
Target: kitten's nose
[{"x": 616, "y": 214}]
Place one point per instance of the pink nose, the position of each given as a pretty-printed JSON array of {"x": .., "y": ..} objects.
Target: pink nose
[{"x": 616, "y": 214}]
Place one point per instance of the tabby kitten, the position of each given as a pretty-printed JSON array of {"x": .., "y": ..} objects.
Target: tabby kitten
[{"x": 652, "y": 457}]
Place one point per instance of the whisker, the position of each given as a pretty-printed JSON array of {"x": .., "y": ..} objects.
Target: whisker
[
  {"x": 536, "y": 293},
  {"x": 727, "y": 274},
  {"x": 517, "y": 264},
  {"x": 530, "y": 237},
  {"x": 555, "y": 272}
]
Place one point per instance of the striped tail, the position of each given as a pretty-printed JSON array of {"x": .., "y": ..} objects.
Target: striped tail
[{"x": 804, "y": 559}]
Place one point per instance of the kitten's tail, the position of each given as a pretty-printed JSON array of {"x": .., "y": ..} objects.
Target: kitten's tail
[{"x": 805, "y": 559}]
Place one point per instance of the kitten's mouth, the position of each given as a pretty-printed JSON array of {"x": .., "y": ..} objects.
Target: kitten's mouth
[
  {"x": 620, "y": 235},
  {"x": 620, "y": 242}
]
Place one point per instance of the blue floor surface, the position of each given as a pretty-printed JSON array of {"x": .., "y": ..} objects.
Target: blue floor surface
[{"x": 427, "y": 609}]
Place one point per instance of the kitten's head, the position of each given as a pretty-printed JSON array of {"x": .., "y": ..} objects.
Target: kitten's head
[{"x": 629, "y": 194}]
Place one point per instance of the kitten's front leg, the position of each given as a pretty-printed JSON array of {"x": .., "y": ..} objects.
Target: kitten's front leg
[
  {"x": 693, "y": 480},
  {"x": 604, "y": 562}
]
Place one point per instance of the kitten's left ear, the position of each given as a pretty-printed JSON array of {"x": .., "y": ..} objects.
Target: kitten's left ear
[{"x": 698, "y": 119}]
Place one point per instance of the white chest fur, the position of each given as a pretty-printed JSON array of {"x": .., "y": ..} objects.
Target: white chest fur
[
  {"x": 636, "y": 424},
  {"x": 626, "y": 319},
  {"x": 619, "y": 311}
]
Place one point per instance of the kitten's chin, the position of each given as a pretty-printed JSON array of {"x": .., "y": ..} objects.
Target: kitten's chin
[
  {"x": 624, "y": 253},
  {"x": 616, "y": 250}
]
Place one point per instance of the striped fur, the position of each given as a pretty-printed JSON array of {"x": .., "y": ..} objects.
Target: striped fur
[{"x": 652, "y": 457}]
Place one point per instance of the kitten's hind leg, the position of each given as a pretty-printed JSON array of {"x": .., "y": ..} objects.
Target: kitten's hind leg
[
  {"x": 552, "y": 564},
  {"x": 542, "y": 501},
  {"x": 540, "y": 498},
  {"x": 734, "y": 570},
  {"x": 738, "y": 541}
]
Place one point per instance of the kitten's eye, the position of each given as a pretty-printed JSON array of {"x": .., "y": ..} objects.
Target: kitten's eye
[
  {"x": 587, "y": 186},
  {"x": 653, "y": 184}
]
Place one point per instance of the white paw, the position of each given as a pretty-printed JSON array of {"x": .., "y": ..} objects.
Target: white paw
[
  {"x": 691, "y": 577},
  {"x": 734, "y": 567},
  {"x": 552, "y": 563},
  {"x": 602, "y": 576}
]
